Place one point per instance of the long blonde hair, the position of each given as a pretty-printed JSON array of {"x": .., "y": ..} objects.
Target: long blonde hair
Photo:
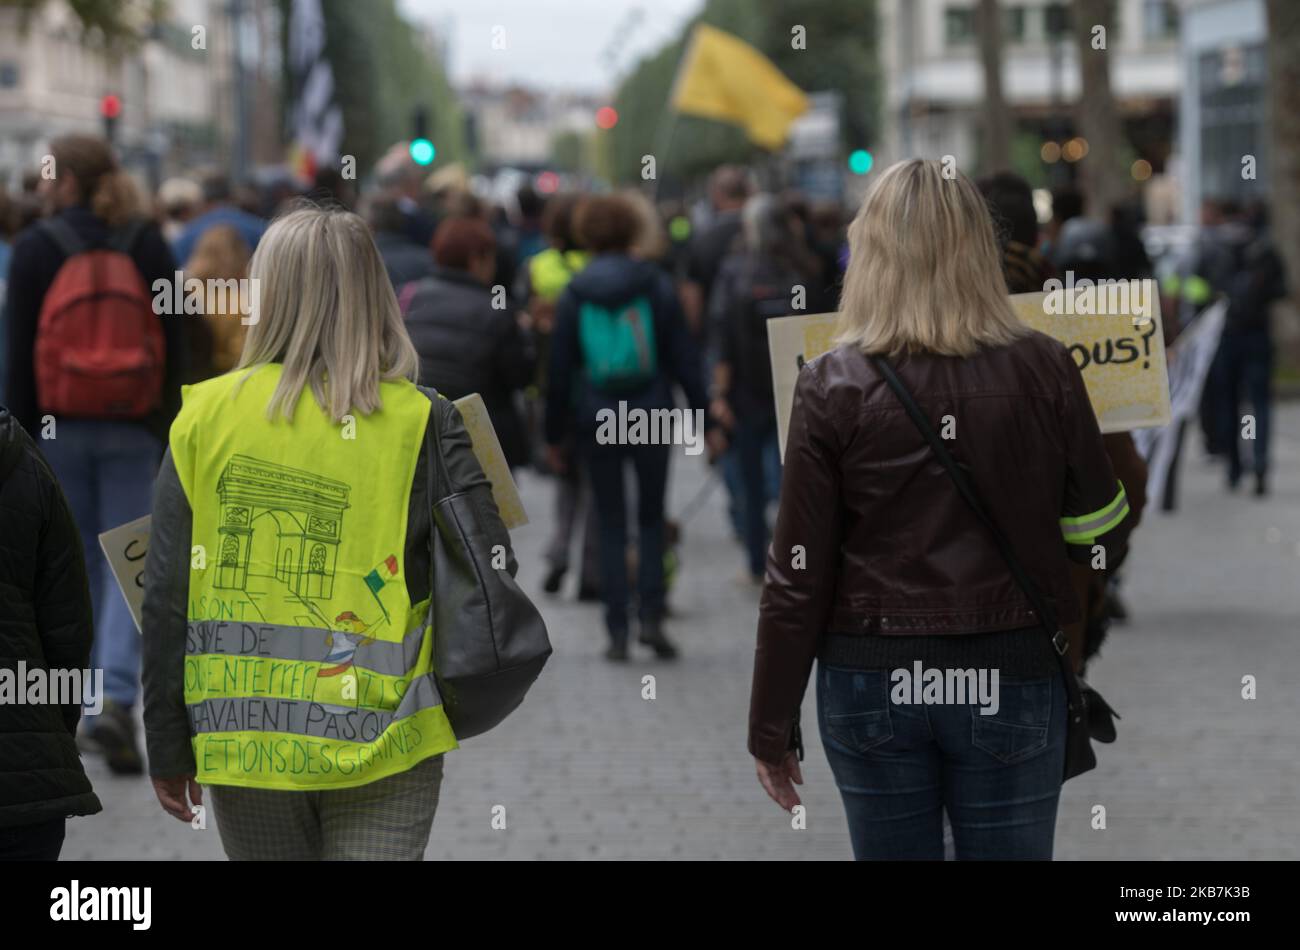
[
  {"x": 324, "y": 307},
  {"x": 925, "y": 272}
]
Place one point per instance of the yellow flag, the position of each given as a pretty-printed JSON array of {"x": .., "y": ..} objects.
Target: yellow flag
[{"x": 722, "y": 77}]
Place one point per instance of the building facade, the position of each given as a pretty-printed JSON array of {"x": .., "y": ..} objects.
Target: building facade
[
  {"x": 934, "y": 86},
  {"x": 179, "y": 89},
  {"x": 1224, "y": 133}
]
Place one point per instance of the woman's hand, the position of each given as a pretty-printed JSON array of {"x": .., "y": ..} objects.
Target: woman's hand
[
  {"x": 779, "y": 780},
  {"x": 171, "y": 795}
]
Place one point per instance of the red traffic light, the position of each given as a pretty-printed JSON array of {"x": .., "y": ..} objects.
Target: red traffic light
[
  {"x": 110, "y": 107},
  {"x": 606, "y": 117}
]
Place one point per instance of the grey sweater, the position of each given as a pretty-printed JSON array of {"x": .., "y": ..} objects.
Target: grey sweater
[{"x": 167, "y": 578}]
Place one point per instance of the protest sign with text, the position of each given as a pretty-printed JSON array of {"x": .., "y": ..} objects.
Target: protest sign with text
[{"x": 1113, "y": 333}]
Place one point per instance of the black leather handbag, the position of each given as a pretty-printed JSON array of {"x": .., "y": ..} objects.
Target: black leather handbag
[
  {"x": 489, "y": 639},
  {"x": 1089, "y": 715}
]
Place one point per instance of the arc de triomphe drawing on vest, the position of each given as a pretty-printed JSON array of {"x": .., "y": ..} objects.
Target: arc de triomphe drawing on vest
[{"x": 292, "y": 517}]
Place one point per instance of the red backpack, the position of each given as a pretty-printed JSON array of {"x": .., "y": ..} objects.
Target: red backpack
[{"x": 100, "y": 349}]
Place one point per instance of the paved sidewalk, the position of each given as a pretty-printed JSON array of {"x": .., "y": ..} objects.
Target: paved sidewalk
[{"x": 589, "y": 769}]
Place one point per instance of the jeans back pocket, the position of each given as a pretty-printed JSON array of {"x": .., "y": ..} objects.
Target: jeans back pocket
[
  {"x": 853, "y": 706},
  {"x": 1018, "y": 730}
]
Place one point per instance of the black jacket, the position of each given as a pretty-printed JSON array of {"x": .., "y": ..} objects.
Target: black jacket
[
  {"x": 466, "y": 346},
  {"x": 404, "y": 260},
  {"x": 32, "y": 268},
  {"x": 45, "y": 622},
  {"x": 747, "y": 292},
  {"x": 609, "y": 281}
]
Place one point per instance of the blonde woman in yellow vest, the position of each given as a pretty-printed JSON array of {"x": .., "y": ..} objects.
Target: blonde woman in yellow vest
[{"x": 286, "y": 656}]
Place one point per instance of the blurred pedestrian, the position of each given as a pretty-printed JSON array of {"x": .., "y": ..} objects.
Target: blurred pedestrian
[
  {"x": 729, "y": 189},
  {"x": 879, "y": 566},
  {"x": 405, "y": 260},
  {"x": 179, "y": 202},
  {"x": 466, "y": 341},
  {"x": 529, "y": 236},
  {"x": 543, "y": 280},
  {"x": 305, "y": 476},
  {"x": 632, "y": 301},
  {"x": 8, "y": 229},
  {"x": 219, "y": 207},
  {"x": 1243, "y": 367},
  {"x": 48, "y": 629},
  {"x": 220, "y": 261},
  {"x": 1015, "y": 223},
  {"x": 402, "y": 180},
  {"x": 97, "y": 371},
  {"x": 329, "y": 187},
  {"x": 755, "y": 284}
]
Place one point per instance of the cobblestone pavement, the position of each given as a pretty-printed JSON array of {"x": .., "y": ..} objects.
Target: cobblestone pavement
[{"x": 590, "y": 769}]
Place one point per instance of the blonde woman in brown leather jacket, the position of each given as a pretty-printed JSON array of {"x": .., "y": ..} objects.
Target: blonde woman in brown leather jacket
[{"x": 880, "y": 570}]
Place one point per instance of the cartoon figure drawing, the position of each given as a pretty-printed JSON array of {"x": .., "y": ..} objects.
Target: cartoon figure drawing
[{"x": 336, "y": 679}]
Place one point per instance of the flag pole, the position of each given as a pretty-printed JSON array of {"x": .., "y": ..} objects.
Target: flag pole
[{"x": 663, "y": 140}]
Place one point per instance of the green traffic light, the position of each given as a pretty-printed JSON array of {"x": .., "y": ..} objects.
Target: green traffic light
[
  {"x": 860, "y": 162},
  {"x": 422, "y": 151}
]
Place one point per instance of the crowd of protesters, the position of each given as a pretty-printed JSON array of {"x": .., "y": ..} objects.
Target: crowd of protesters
[{"x": 500, "y": 299}]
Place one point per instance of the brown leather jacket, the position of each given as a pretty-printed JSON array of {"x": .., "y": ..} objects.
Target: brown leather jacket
[{"x": 872, "y": 537}]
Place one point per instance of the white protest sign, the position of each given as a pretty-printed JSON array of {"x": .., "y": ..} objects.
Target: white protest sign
[{"x": 125, "y": 547}]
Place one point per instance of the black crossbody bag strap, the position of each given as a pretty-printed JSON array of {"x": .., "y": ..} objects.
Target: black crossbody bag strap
[{"x": 1060, "y": 644}]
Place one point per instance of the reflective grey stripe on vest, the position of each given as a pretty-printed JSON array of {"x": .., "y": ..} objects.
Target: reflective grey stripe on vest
[
  {"x": 307, "y": 718},
  {"x": 281, "y": 642}
]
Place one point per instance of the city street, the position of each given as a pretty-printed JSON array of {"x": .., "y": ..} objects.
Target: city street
[{"x": 589, "y": 769}]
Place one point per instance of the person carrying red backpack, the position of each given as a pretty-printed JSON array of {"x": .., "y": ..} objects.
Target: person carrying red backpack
[{"x": 95, "y": 379}]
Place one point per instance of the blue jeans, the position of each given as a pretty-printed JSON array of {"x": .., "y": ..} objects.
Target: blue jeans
[
  {"x": 1243, "y": 367},
  {"x": 900, "y": 767},
  {"x": 107, "y": 470},
  {"x": 650, "y": 464},
  {"x": 757, "y": 456}
]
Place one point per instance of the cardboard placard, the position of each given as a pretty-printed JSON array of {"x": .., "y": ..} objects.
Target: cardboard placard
[
  {"x": 1121, "y": 353},
  {"x": 487, "y": 449},
  {"x": 125, "y": 547}
]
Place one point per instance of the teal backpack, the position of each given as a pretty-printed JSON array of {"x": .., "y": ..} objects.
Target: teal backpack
[{"x": 618, "y": 345}]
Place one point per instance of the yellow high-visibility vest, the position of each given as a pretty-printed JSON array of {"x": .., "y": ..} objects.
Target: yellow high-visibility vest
[
  {"x": 306, "y": 665},
  {"x": 550, "y": 271}
]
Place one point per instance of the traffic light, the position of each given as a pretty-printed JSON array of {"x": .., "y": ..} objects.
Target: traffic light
[
  {"x": 422, "y": 150},
  {"x": 860, "y": 161},
  {"x": 110, "y": 107}
]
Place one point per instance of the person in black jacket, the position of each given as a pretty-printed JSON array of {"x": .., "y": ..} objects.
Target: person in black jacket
[
  {"x": 468, "y": 338},
  {"x": 614, "y": 282},
  {"x": 404, "y": 260},
  {"x": 45, "y": 624},
  {"x": 105, "y": 466},
  {"x": 759, "y": 281}
]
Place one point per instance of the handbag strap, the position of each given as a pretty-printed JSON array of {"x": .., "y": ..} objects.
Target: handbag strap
[
  {"x": 435, "y": 477},
  {"x": 1060, "y": 643},
  {"x": 439, "y": 481}
]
